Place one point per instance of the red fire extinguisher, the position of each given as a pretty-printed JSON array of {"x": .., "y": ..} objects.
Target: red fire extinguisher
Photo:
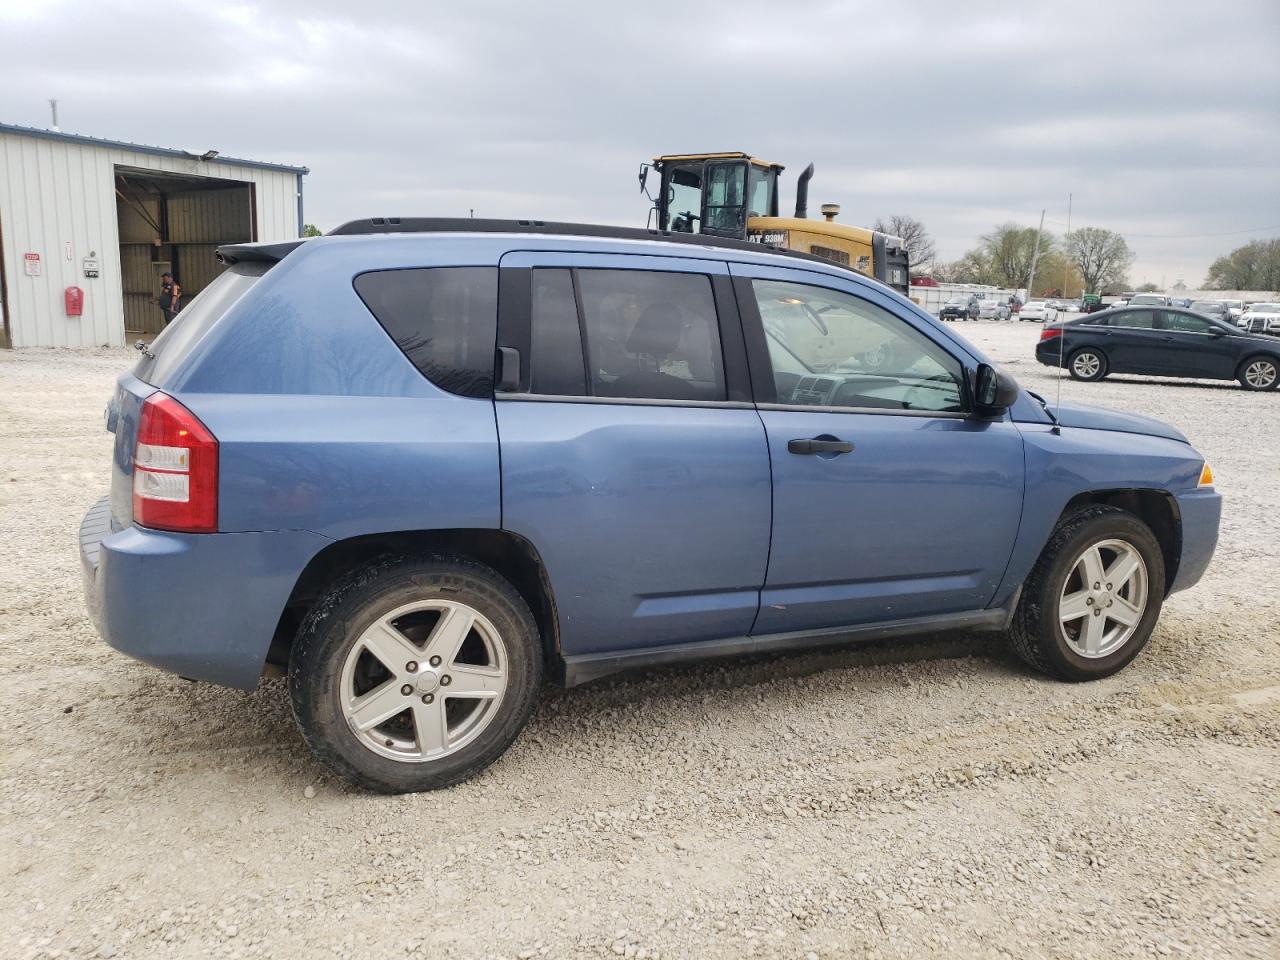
[{"x": 74, "y": 298}]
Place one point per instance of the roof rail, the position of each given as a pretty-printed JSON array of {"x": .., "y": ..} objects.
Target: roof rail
[{"x": 551, "y": 228}]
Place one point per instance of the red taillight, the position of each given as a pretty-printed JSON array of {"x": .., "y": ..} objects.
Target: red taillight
[
  {"x": 175, "y": 469},
  {"x": 1048, "y": 333}
]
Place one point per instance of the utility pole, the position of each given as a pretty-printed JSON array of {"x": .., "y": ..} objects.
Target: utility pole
[
  {"x": 53, "y": 107},
  {"x": 1066, "y": 267},
  {"x": 1035, "y": 256}
]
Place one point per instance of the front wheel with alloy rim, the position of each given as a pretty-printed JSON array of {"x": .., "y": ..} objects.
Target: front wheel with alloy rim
[
  {"x": 1093, "y": 597},
  {"x": 414, "y": 674},
  {"x": 1259, "y": 373},
  {"x": 1087, "y": 364}
]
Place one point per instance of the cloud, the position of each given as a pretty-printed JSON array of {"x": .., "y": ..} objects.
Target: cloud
[{"x": 1157, "y": 117}]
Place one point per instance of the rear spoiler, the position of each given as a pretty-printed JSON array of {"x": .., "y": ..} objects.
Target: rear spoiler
[{"x": 262, "y": 252}]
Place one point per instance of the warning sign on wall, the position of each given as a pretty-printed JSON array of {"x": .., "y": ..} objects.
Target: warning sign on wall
[{"x": 32, "y": 262}]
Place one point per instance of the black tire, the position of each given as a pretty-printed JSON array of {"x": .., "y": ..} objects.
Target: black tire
[
  {"x": 1249, "y": 367},
  {"x": 1099, "y": 372},
  {"x": 338, "y": 620},
  {"x": 1036, "y": 633}
]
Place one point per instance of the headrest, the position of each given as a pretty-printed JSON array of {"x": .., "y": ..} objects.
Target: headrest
[{"x": 657, "y": 332}]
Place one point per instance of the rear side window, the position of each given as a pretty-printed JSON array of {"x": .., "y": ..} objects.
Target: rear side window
[
  {"x": 1134, "y": 319},
  {"x": 646, "y": 335},
  {"x": 444, "y": 319},
  {"x": 556, "y": 367},
  {"x": 651, "y": 335}
]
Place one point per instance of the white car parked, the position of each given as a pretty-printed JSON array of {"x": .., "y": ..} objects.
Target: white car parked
[
  {"x": 1261, "y": 318},
  {"x": 992, "y": 309},
  {"x": 1040, "y": 310}
]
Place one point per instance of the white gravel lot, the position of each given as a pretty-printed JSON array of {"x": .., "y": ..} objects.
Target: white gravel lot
[{"x": 917, "y": 799}]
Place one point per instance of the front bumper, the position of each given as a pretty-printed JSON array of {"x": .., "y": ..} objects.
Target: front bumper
[
  {"x": 204, "y": 606},
  {"x": 1200, "y": 512}
]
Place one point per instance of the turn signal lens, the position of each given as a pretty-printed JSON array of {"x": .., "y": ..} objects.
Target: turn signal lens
[{"x": 1206, "y": 476}]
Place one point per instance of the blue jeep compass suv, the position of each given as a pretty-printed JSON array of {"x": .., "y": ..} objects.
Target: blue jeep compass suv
[{"x": 418, "y": 464}]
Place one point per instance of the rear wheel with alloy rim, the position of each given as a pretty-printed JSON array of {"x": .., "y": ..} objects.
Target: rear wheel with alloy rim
[
  {"x": 1087, "y": 364},
  {"x": 1093, "y": 598},
  {"x": 415, "y": 674},
  {"x": 1259, "y": 373}
]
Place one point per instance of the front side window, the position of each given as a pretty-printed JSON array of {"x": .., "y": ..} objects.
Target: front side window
[
  {"x": 832, "y": 349},
  {"x": 648, "y": 335},
  {"x": 444, "y": 319},
  {"x": 1186, "y": 323}
]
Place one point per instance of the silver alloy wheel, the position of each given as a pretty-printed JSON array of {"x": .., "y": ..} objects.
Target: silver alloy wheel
[
  {"x": 1103, "y": 598},
  {"x": 1261, "y": 374},
  {"x": 424, "y": 681},
  {"x": 1086, "y": 365}
]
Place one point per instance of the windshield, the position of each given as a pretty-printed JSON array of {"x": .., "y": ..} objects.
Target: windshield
[
  {"x": 1213, "y": 306},
  {"x": 1263, "y": 308}
]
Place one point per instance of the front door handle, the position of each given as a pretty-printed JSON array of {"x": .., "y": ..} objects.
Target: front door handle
[{"x": 819, "y": 445}]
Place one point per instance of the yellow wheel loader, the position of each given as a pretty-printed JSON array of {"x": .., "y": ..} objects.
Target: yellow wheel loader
[{"x": 736, "y": 195}]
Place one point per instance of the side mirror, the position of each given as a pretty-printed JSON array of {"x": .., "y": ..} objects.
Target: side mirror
[
  {"x": 994, "y": 391},
  {"x": 1217, "y": 332},
  {"x": 644, "y": 178}
]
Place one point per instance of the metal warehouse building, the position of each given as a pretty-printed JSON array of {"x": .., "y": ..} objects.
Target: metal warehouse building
[{"x": 108, "y": 218}]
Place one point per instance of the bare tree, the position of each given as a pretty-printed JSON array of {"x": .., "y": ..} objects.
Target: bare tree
[
  {"x": 920, "y": 246},
  {"x": 1008, "y": 251},
  {"x": 1102, "y": 257}
]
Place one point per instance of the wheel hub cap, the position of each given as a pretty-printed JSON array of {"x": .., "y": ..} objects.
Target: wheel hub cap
[
  {"x": 423, "y": 681},
  {"x": 428, "y": 682},
  {"x": 1103, "y": 598}
]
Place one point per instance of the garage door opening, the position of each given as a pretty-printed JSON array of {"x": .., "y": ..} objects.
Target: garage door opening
[{"x": 171, "y": 223}]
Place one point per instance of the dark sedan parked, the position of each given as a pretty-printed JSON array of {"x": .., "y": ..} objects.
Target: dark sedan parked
[{"x": 1163, "y": 342}]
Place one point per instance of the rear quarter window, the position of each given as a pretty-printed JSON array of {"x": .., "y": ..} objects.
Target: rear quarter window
[
  {"x": 195, "y": 320},
  {"x": 444, "y": 319}
]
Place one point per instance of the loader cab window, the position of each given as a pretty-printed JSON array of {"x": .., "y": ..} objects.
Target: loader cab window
[
  {"x": 761, "y": 184},
  {"x": 684, "y": 198},
  {"x": 725, "y": 198}
]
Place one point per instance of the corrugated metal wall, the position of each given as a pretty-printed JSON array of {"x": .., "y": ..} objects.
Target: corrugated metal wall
[
  {"x": 57, "y": 199},
  {"x": 195, "y": 222}
]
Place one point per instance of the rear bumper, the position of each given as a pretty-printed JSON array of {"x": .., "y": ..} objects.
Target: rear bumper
[
  {"x": 1200, "y": 512},
  {"x": 204, "y": 606},
  {"x": 1049, "y": 352}
]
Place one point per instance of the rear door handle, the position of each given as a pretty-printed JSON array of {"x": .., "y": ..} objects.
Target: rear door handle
[{"x": 819, "y": 445}]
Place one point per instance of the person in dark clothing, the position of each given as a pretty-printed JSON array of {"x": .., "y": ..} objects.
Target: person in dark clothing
[{"x": 170, "y": 297}]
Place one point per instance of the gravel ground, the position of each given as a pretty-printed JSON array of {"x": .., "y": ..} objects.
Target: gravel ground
[{"x": 931, "y": 798}]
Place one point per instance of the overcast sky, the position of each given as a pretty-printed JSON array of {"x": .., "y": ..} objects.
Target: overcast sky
[{"x": 1161, "y": 118}]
